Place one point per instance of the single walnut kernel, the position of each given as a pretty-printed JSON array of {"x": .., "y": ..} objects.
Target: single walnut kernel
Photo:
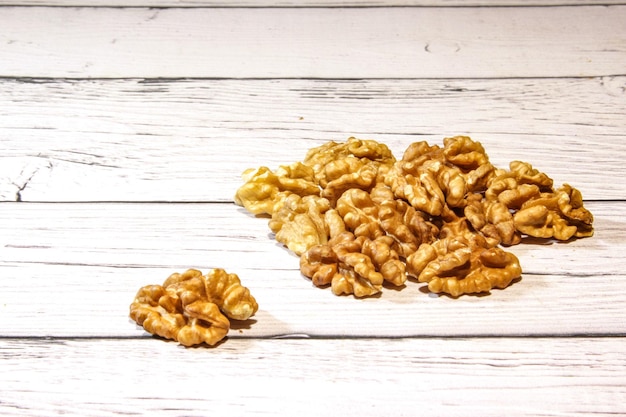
[
  {"x": 359, "y": 218},
  {"x": 264, "y": 187},
  {"x": 353, "y": 265},
  {"x": 318, "y": 158},
  {"x": 559, "y": 214},
  {"x": 463, "y": 152},
  {"x": 462, "y": 262},
  {"x": 346, "y": 174},
  {"x": 192, "y": 308},
  {"x": 299, "y": 222}
]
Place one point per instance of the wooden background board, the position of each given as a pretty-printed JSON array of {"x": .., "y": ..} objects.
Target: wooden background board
[
  {"x": 123, "y": 135},
  {"x": 302, "y": 3},
  {"x": 165, "y": 140},
  {"x": 436, "y": 376},
  {"x": 102, "y": 256},
  {"x": 393, "y": 42}
]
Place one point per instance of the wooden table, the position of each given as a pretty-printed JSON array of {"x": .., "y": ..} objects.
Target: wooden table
[{"x": 124, "y": 132}]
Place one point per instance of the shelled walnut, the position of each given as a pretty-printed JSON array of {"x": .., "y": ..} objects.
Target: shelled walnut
[
  {"x": 359, "y": 218},
  {"x": 559, "y": 214},
  {"x": 298, "y": 222},
  {"x": 192, "y": 308},
  {"x": 463, "y": 262},
  {"x": 264, "y": 187},
  {"x": 354, "y": 265}
]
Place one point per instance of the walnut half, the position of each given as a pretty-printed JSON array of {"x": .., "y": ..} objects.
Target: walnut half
[{"x": 192, "y": 308}]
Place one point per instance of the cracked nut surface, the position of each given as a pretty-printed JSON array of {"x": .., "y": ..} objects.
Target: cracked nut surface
[{"x": 192, "y": 308}]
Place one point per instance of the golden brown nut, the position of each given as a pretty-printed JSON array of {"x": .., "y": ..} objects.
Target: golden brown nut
[
  {"x": 359, "y": 213},
  {"x": 263, "y": 188},
  {"x": 299, "y": 222},
  {"x": 378, "y": 214},
  {"x": 320, "y": 264},
  {"x": 475, "y": 212},
  {"x": 416, "y": 154},
  {"x": 522, "y": 201},
  {"x": 408, "y": 227},
  {"x": 385, "y": 259},
  {"x": 427, "y": 181},
  {"x": 357, "y": 273},
  {"x": 560, "y": 215},
  {"x": 345, "y": 174},
  {"x": 464, "y": 153},
  {"x": 539, "y": 221},
  {"x": 493, "y": 219},
  {"x": 490, "y": 268},
  {"x": 526, "y": 174},
  {"x": 507, "y": 189},
  {"x": 226, "y": 291},
  {"x": 553, "y": 216},
  {"x": 341, "y": 264},
  {"x": 421, "y": 191},
  {"x": 353, "y": 265},
  {"x": 477, "y": 179},
  {"x": 570, "y": 202},
  {"x": 522, "y": 183},
  {"x": 450, "y": 179},
  {"x": 354, "y": 164},
  {"x": 457, "y": 265},
  {"x": 452, "y": 182},
  {"x": 318, "y": 158},
  {"x": 188, "y": 307}
]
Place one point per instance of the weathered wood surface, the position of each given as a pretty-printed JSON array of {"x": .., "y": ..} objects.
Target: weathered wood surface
[
  {"x": 303, "y": 3},
  {"x": 360, "y": 377},
  {"x": 182, "y": 140},
  {"x": 75, "y": 269},
  {"x": 393, "y": 42},
  {"x": 123, "y": 134}
]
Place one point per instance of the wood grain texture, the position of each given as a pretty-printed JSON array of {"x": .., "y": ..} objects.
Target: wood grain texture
[
  {"x": 92, "y": 259},
  {"x": 182, "y": 140},
  {"x": 368, "y": 377},
  {"x": 303, "y": 3},
  {"x": 314, "y": 42},
  {"x": 145, "y": 116}
]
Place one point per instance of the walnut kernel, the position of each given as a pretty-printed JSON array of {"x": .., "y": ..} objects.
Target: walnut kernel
[{"x": 192, "y": 308}]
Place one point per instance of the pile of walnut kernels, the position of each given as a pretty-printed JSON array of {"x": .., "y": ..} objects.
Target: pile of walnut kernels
[{"x": 359, "y": 218}]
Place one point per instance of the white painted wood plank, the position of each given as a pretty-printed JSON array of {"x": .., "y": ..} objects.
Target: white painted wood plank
[
  {"x": 314, "y": 42},
  {"x": 302, "y": 3},
  {"x": 73, "y": 270},
  {"x": 83, "y": 301},
  {"x": 178, "y": 235},
  {"x": 189, "y": 140},
  {"x": 438, "y": 377}
]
